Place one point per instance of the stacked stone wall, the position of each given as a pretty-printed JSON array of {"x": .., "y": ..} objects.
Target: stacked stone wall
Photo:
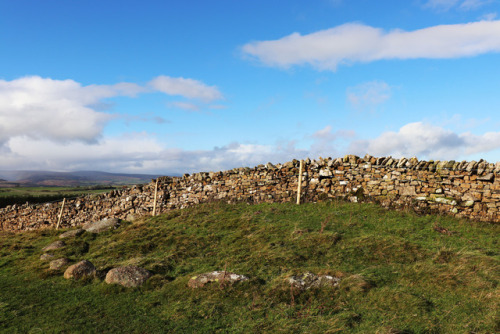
[{"x": 462, "y": 189}]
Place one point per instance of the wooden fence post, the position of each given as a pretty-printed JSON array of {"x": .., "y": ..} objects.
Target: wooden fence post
[
  {"x": 60, "y": 214},
  {"x": 299, "y": 186},
  {"x": 156, "y": 193}
]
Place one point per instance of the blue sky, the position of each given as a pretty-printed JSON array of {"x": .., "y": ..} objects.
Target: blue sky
[{"x": 173, "y": 87}]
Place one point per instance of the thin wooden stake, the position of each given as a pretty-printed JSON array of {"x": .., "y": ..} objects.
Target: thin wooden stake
[
  {"x": 60, "y": 214},
  {"x": 156, "y": 193},
  {"x": 299, "y": 186}
]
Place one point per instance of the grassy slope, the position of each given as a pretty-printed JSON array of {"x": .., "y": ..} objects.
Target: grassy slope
[
  {"x": 21, "y": 195},
  {"x": 399, "y": 274}
]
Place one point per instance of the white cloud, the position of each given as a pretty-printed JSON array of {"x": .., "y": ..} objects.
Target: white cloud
[
  {"x": 65, "y": 110},
  {"x": 188, "y": 88},
  {"x": 353, "y": 42},
  {"x": 368, "y": 94},
  {"x": 427, "y": 141},
  {"x": 53, "y": 109}
]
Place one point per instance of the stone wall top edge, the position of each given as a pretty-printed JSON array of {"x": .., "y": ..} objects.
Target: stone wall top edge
[{"x": 474, "y": 167}]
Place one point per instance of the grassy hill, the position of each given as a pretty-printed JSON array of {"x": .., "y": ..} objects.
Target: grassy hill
[
  {"x": 33, "y": 195},
  {"x": 400, "y": 273},
  {"x": 72, "y": 179}
]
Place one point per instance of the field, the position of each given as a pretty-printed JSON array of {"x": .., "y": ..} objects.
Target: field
[
  {"x": 21, "y": 195},
  {"x": 400, "y": 273}
]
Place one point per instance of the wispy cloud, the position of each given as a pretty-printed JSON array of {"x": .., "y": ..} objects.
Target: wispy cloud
[
  {"x": 188, "y": 88},
  {"x": 442, "y": 5},
  {"x": 354, "y": 42},
  {"x": 184, "y": 105},
  {"x": 466, "y": 5},
  {"x": 368, "y": 95},
  {"x": 489, "y": 16}
]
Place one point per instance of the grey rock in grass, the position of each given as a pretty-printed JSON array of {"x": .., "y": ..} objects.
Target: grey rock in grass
[
  {"x": 59, "y": 263},
  {"x": 102, "y": 225},
  {"x": 55, "y": 245},
  {"x": 80, "y": 270},
  {"x": 129, "y": 276},
  {"x": 220, "y": 277},
  {"x": 46, "y": 257},
  {"x": 72, "y": 233},
  {"x": 309, "y": 280}
]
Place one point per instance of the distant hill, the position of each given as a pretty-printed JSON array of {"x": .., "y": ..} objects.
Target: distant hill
[{"x": 70, "y": 179}]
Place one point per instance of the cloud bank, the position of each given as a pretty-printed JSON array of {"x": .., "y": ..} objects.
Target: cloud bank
[
  {"x": 353, "y": 42},
  {"x": 143, "y": 153},
  {"x": 427, "y": 141},
  {"x": 65, "y": 110}
]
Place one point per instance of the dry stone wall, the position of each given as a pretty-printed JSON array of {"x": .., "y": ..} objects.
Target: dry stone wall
[{"x": 463, "y": 189}]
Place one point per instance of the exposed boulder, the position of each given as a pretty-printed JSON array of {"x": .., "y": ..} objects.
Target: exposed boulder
[
  {"x": 102, "y": 225},
  {"x": 55, "y": 245},
  {"x": 129, "y": 276},
  {"x": 215, "y": 276},
  {"x": 309, "y": 280},
  {"x": 80, "y": 270},
  {"x": 46, "y": 257},
  {"x": 72, "y": 233},
  {"x": 59, "y": 263}
]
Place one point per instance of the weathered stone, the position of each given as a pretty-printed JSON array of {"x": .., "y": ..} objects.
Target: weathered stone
[
  {"x": 468, "y": 203},
  {"x": 408, "y": 191},
  {"x": 46, "y": 257},
  {"x": 401, "y": 163},
  {"x": 497, "y": 167},
  {"x": 55, "y": 245},
  {"x": 325, "y": 173},
  {"x": 471, "y": 166},
  {"x": 82, "y": 269},
  {"x": 129, "y": 276},
  {"x": 445, "y": 200},
  {"x": 220, "y": 277},
  {"x": 72, "y": 233},
  {"x": 59, "y": 263},
  {"x": 102, "y": 225},
  {"x": 309, "y": 280},
  {"x": 488, "y": 177}
]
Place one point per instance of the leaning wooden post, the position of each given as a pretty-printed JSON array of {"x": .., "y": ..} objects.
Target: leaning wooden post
[
  {"x": 60, "y": 214},
  {"x": 156, "y": 194},
  {"x": 299, "y": 186}
]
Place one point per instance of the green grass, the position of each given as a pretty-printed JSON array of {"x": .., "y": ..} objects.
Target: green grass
[
  {"x": 398, "y": 274},
  {"x": 21, "y": 195}
]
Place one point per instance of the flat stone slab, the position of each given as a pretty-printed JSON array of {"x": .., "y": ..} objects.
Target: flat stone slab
[
  {"x": 59, "y": 263},
  {"x": 46, "y": 257},
  {"x": 72, "y": 233},
  {"x": 309, "y": 280},
  {"x": 129, "y": 276},
  {"x": 55, "y": 245},
  {"x": 80, "y": 270},
  {"x": 102, "y": 225},
  {"x": 215, "y": 276}
]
